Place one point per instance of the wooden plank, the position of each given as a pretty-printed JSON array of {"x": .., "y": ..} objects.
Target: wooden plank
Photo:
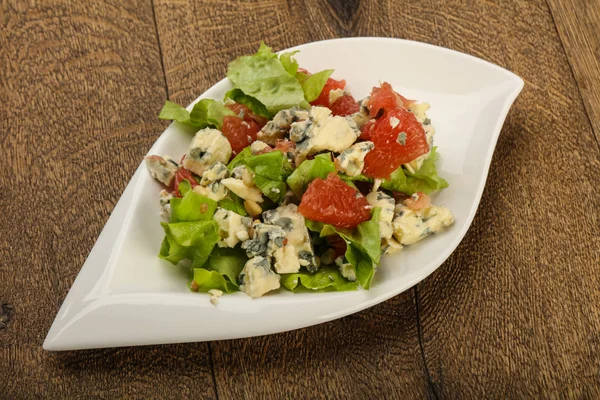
[
  {"x": 513, "y": 313},
  {"x": 578, "y": 25},
  {"x": 81, "y": 85},
  {"x": 372, "y": 354}
]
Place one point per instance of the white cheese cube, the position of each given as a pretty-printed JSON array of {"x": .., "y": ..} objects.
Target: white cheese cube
[
  {"x": 286, "y": 260},
  {"x": 352, "y": 160},
  {"x": 257, "y": 278},
  {"x": 214, "y": 191},
  {"x": 265, "y": 240},
  {"x": 165, "y": 204},
  {"x": 214, "y": 296},
  {"x": 292, "y": 222},
  {"x": 258, "y": 146},
  {"x": 346, "y": 269},
  {"x": 322, "y": 131},
  {"x": 411, "y": 226},
  {"x": 387, "y": 204},
  {"x": 215, "y": 173},
  {"x": 208, "y": 147},
  {"x": 335, "y": 94},
  {"x": 239, "y": 187},
  {"x": 279, "y": 126},
  {"x": 162, "y": 169},
  {"x": 233, "y": 228}
]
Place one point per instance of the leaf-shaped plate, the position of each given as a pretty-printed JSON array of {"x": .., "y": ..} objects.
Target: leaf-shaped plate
[{"x": 125, "y": 295}]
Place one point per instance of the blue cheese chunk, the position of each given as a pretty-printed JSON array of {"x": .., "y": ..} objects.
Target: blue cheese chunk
[
  {"x": 210, "y": 184},
  {"x": 266, "y": 239},
  {"x": 215, "y": 173},
  {"x": 165, "y": 204},
  {"x": 258, "y": 146},
  {"x": 335, "y": 94},
  {"x": 257, "y": 278},
  {"x": 322, "y": 131},
  {"x": 214, "y": 296},
  {"x": 246, "y": 192},
  {"x": 215, "y": 191},
  {"x": 286, "y": 260},
  {"x": 386, "y": 216},
  {"x": 298, "y": 239},
  {"x": 346, "y": 269},
  {"x": 361, "y": 117},
  {"x": 233, "y": 228},
  {"x": 208, "y": 147},
  {"x": 352, "y": 160},
  {"x": 420, "y": 112},
  {"x": 279, "y": 126},
  {"x": 411, "y": 226},
  {"x": 162, "y": 169},
  {"x": 390, "y": 246}
]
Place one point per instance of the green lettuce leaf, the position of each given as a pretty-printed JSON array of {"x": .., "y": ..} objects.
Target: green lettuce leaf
[
  {"x": 189, "y": 240},
  {"x": 424, "y": 180},
  {"x": 363, "y": 245},
  {"x": 207, "y": 280},
  {"x": 227, "y": 262},
  {"x": 205, "y": 113},
  {"x": 289, "y": 62},
  {"x": 312, "y": 85},
  {"x": 325, "y": 279},
  {"x": 192, "y": 206},
  {"x": 263, "y": 77},
  {"x": 234, "y": 203},
  {"x": 428, "y": 173},
  {"x": 240, "y": 158},
  {"x": 319, "y": 167},
  {"x": 270, "y": 173},
  {"x": 253, "y": 104}
]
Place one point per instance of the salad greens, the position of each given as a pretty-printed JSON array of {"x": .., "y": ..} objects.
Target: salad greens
[
  {"x": 205, "y": 113},
  {"x": 325, "y": 279},
  {"x": 306, "y": 172},
  {"x": 232, "y": 247}
]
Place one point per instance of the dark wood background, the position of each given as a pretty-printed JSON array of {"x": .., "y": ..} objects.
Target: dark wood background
[{"x": 513, "y": 313}]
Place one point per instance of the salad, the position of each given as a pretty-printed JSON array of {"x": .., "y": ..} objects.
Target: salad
[{"x": 291, "y": 182}]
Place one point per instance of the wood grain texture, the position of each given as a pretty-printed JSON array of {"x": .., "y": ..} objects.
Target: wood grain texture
[
  {"x": 578, "y": 25},
  {"x": 81, "y": 85}
]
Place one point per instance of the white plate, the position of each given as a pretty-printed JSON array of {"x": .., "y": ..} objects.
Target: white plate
[{"x": 125, "y": 295}]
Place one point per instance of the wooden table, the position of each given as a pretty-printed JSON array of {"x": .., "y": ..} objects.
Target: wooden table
[{"x": 513, "y": 313}]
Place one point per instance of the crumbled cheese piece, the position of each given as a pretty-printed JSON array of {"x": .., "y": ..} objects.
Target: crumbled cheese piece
[
  {"x": 165, "y": 204},
  {"x": 214, "y": 296},
  {"x": 411, "y": 226},
  {"x": 162, "y": 169},
  {"x": 279, "y": 126},
  {"x": 233, "y": 228},
  {"x": 239, "y": 187},
  {"x": 298, "y": 239},
  {"x": 335, "y": 94},
  {"x": 208, "y": 147},
  {"x": 257, "y": 278},
  {"x": 266, "y": 239},
  {"x": 214, "y": 174},
  {"x": 258, "y": 146},
  {"x": 322, "y": 131},
  {"x": 352, "y": 160},
  {"x": 387, "y": 204},
  {"x": 346, "y": 269}
]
